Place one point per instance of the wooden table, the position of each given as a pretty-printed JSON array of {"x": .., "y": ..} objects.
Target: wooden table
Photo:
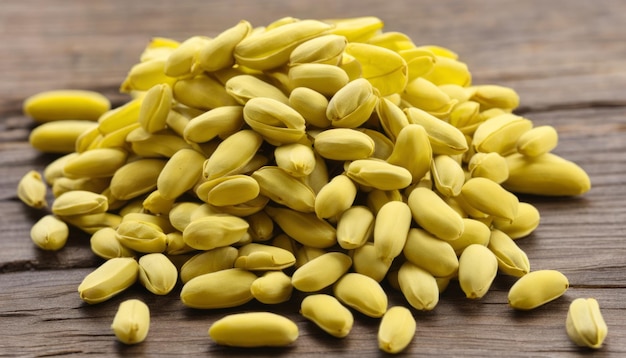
[{"x": 567, "y": 60}]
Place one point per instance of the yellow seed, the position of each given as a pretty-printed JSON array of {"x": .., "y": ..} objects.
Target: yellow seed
[
  {"x": 385, "y": 69},
  {"x": 144, "y": 75},
  {"x": 220, "y": 258},
  {"x": 537, "y": 288},
  {"x": 362, "y": 293},
  {"x": 391, "y": 228},
  {"x": 493, "y": 96},
  {"x": 214, "y": 231},
  {"x": 397, "y": 329},
  {"x": 326, "y": 49},
  {"x": 157, "y": 273},
  {"x": 105, "y": 244},
  {"x": 321, "y": 272},
  {"x": 96, "y": 163},
  {"x": 434, "y": 215},
  {"x": 245, "y": 87},
  {"x": 365, "y": 260},
  {"x": 478, "y": 267},
  {"x": 232, "y": 154},
  {"x": 474, "y": 232},
  {"x": 157, "y": 145},
  {"x": 218, "y": 53},
  {"x": 354, "y": 227},
  {"x": 31, "y": 190},
  {"x": 523, "y": 224},
  {"x": 219, "y": 122},
  {"x": 296, "y": 159},
  {"x": 59, "y": 136},
  {"x": 49, "y": 233},
  {"x": 444, "y": 138},
  {"x": 120, "y": 117},
  {"x": 260, "y": 257},
  {"x": 328, "y": 314},
  {"x": 377, "y": 198},
  {"x": 79, "y": 202},
  {"x": 220, "y": 289},
  {"x": 378, "y": 174},
  {"x": 141, "y": 236},
  {"x": 136, "y": 178},
  {"x": 343, "y": 144},
  {"x": 66, "y": 104},
  {"x": 311, "y": 105},
  {"x": 547, "y": 174},
  {"x": 131, "y": 322},
  {"x": 181, "y": 172},
  {"x": 412, "y": 151},
  {"x": 90, "y": 223},
  {"x": 352, "y": 105},
  {"x": 335, "y": 197},
  {"x": 202, "y": 92},
  {"x": 433, "y": 255},
  {"x": 228, "y": 190},
  {"x": 500, "y": 133},
  {"x": 425, "y": 95},
  {"x": 155, "y": 108},
  {"x": 585, "y": 325},
  {"x": 156, "y": 204},
  {"x": 537, "y": 141},
  {"x": 489, "y": 165},
  {"x": 323, "y": 78},
  {"x": 418, "y": 286},
  {"x": 357, "y": 28},
  {"x": 489, "y": 197},
  {"x": 254, "y": 329},
  {"x": 275, "y": 121},
  {"x": 392, "y": 40},
  {"x": 278, "y": 185},
  {"x": 512, "y": 260},
  {"x": 181, "y": 61},
  {"x": 54, "y": 169},
  {"x": 272, "y": 288},
  {"x": 109, "y": 279},
  {"x": 447, "y": 175},
  {"x": 176, "y": 246}
]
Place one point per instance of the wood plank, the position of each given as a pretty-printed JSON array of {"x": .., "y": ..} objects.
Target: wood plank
[{"x": 564, "y": 58}]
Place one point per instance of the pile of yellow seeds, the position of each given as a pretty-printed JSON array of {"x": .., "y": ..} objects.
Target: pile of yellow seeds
[{"x": 321, "y": 156}]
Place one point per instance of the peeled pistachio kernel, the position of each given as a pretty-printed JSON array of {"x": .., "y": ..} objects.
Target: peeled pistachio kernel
[
  {"x": 343, "y": 144},
  {"x": 323, "y": 78},
  {"x": 489, "y": 165},
  {"x": 141, "y": 236},
  {"x": 493, "y": 96},
  {"x": 512, "y": 260},
  {"x": 352, "y": 105},
  {"x": 144, "y": 75},
  {"x": 218, "y": 53},
  {"x": 296, "y": 159},
  {"x": 397, "y": 329},
  {"x": 109, "y": 279},
  {"x": 58, "y": 136},
  {"x": 66, "y": 104},
  {"x": 425, "y": 95},
  {"x": 328, "y": 314},
  {"x": 444, "y": 138},
  {"x": 181, "y": 61},
  {"x": 180, "y": 214},
  {"x": 91, "y": 223},
  {"x": 246, "y": 87},
  {"x": 378, "y": 174},
  {"x": 321, "y": 272},
  {"x": 433, "y": 255},
  {"x": 105, "y": 244},
  {"x": 311, "y": 105},
  {"x": 490, "y": 198},
  {"x": 272, "y": 287},
  {"x": 537, "y": 141},
  {"x": 449, "y": 71},
  {"x": 136, "y": 178},
  {"x": 357, "y": 28},
  {"x": 500, "y": 133},
  {"x": 391, "y": 228},
  {"x": 219, "y": 122},
  {"x": 209, "y": 232},
  {"x": 537, "y": 288},
  {"x": 261, "y": 226},
  {"x": 79, "y": 202},
  {"x": 434, "y": 215},
  {"x": 261, "y": 257},
  {"x": 585, "y": 325},
  {"x": 275, "y": 121},
  {"x": 157, "y": 273},
  {"x": 232, "y": 154},
  {"x": 335, "y": 197},
  {"x": 278, "y": 185},
  {"x": 523, "y": 224},
  {"x": 31, "y": 190},
  {"x": 54, "y": 169},
  {"x": 547, "y": 174},
  {"x": 162, "y": 145},
  {"x": 362, "y": 293},
  {"x": 254, "y": 329},
  {"x": 131, "y": 322},
  {"x": 354, "y": 227},
  {"x": 377, "y": 198},
  {"x": 418, "y": 286},
  {"x": 220, "y": 289},
  {"x": 365, "y": 260},
  {"x": 478, "y": 267},
  {"x": 385, "y": 69},
  {"x": 181, "y": 172},
  {"x": 327, "y": 49},
  {"x": 202, "y": 92},
  {"x": 474, "y": 232},
  {"x": 272, "y": 48},
  {"x": 96, "y": 163},
  {"x": 49, "y": 233},
  {"x": 412, "y": 151},
  {"x": 228, "y": 190},
  {"x": 447, "y": 175},
  {"x": 220, "y": 258}
]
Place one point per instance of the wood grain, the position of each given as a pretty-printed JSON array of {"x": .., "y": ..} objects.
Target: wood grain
[{"x": 565, "y": 58}]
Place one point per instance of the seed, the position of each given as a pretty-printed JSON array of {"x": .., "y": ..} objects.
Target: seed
[
  {"x": 254, "y": 329},
  {"x": 323, "y": 78},
  {"x": 136, "y": 178},
  {"x": 321, "y": 272},
  {"x": 362, "y": 293},
  {"x": 412, "y": 150},
  {"x": 306, "y": 228},
  {"x": 79, "y": 202},
  {"x": 66, "y": 104},
  {"x": 523, "y": 224},
  {"x": 537, "y": 141},
  {"x": 157, "y": 273},
  {"x": 326, "y": 49},
  {"x": 385, "y": 69},
  {"x": 424, "y": 94},
  {"x": 278, "y": 185},
  {"x": 430, "y": 253},
  {"x": 58, "y": 136},
  {"x": 365, "y": 260},
  {"x": 131, "y": 322},
  {"x": 109, "y": 279},
  {"x": 218, "y": 53},
  {"x": 219, "y": 122},
  {"x": 378, "y": 174},
  {"x": 584, "y": 324},
  {"x": 32, "y": 190},
  {"x": 537, "y": 288},
  {"x": 396, "y": 331},
  {"x": 335, "y": 197},
  {"x": 246, "y": 87},
  {"x": 489, "y": 197},
  {"x": 354, "y": 227},
  {"x": 96, "y": 163},
  {"x": 511, "y": 259},
  {"x": 181, "y": 172},
  {"x": 272, "y": 288},
  {"x": 214, "y": 231},
  {"x": 352, "y": 105},
  {"x": 105, "y": 244},
  {"x": 155, "y": 108},
  {"x": 296, "y": 159},
  {"x": 343, "y": 144},
  {"x": 391, "y": 228},
  {"x": 218, "y": 259},
  {"x": 500, "y": 133},
  {"x": 418, "y": 286},
  {"x": 328, "y": 314},
  {"x": 220, "y": 289},
  {"x": 311, "y": 105},
  {"x": 260, "y": 257},
  {"x": 434, "y": 215},
  {"x": 477, "y": 270},
  {"x": 141, "y": 236},
  {"x": 49, "y": 233}
]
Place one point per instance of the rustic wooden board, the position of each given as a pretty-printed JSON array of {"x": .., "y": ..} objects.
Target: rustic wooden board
[{"x": 565, "y": 58}]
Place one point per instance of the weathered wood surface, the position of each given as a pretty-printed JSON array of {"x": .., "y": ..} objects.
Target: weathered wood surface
[{"x": 565, "y": 58}]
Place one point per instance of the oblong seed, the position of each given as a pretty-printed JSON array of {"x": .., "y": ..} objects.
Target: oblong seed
[
  {"x": 396, "y": 330},
  {"x": 537, "y": 288},
  {"x": 362, "y": 293},
  {"x": 328, "y": 314},
  {"x": 49, "y": 233},
  {"x": 220, "y": 289},
  {"x": 254, "y": 329},
  {"x": 109, "y": 279},
  {"x": 131, "y": 322}
]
